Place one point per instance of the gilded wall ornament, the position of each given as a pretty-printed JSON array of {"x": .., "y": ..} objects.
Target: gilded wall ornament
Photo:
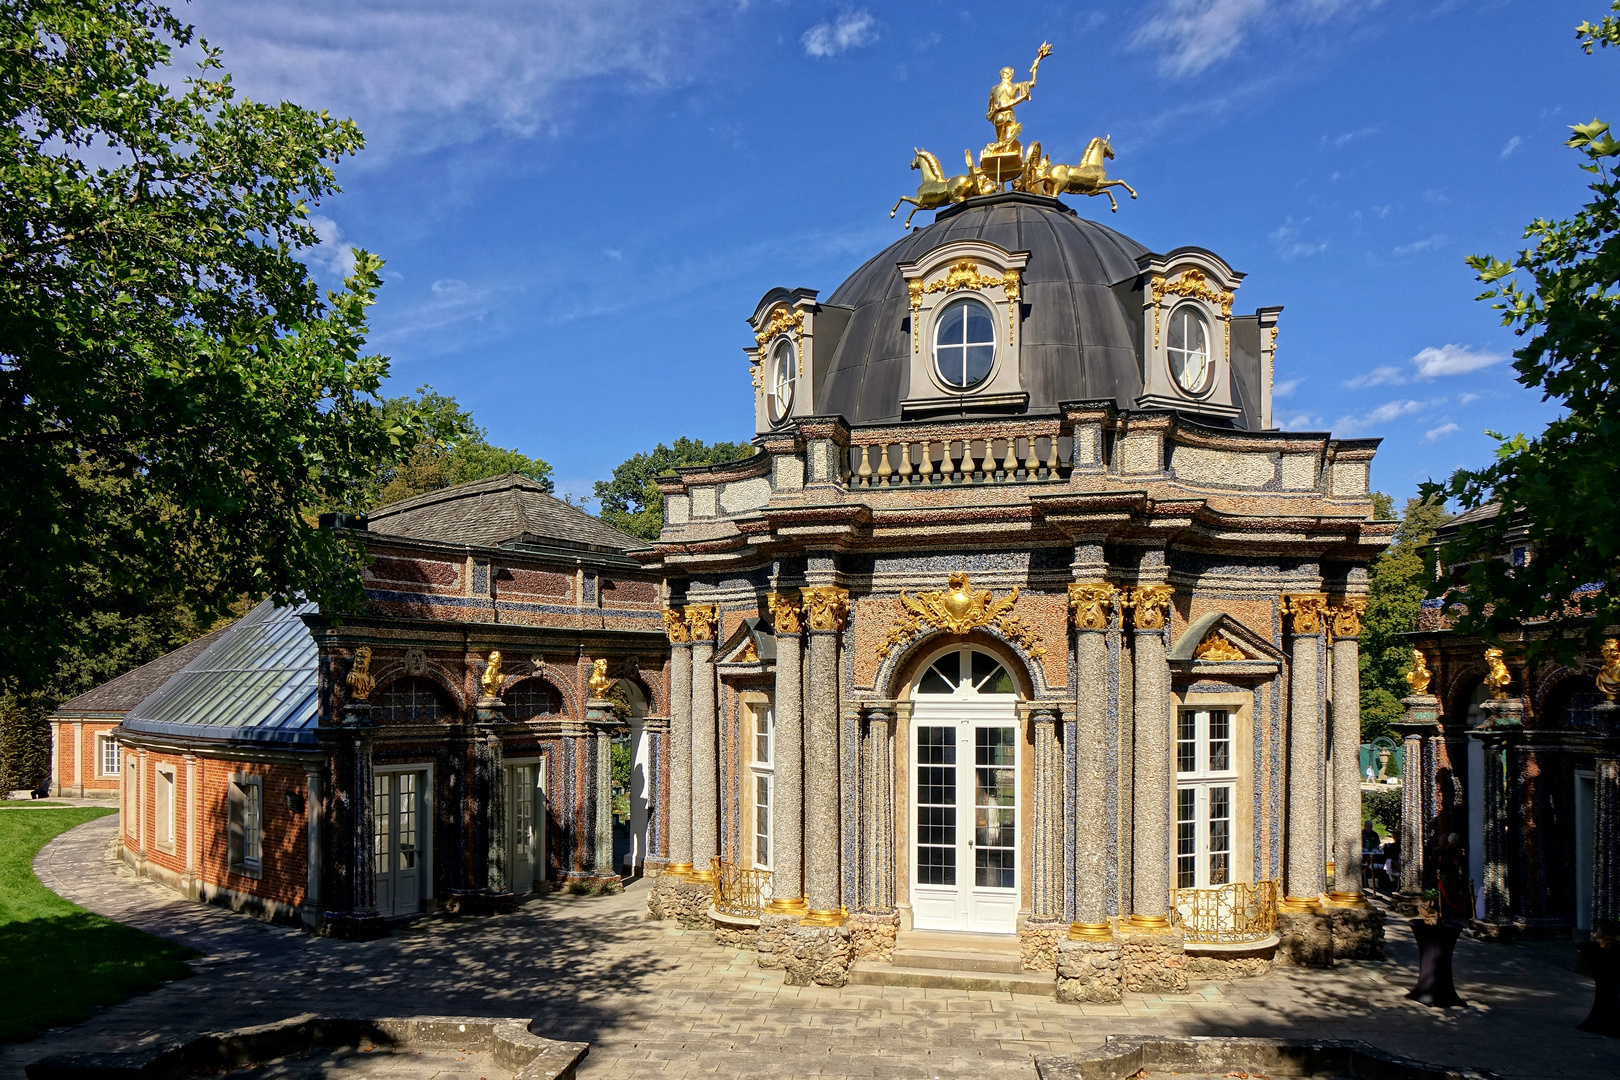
[
  {"x": 1347, "y": 617},
  {"x": 1090, "y": 604},
  {"x": 701, "y": 620},
  {"x": 676, "y": 627},
  {"x": 782, "y": 321},
  {"x": 359, "y": 680},
  {"x": 492, "y": 675},
  {"x": 965, "y": 274},
  {"x": 827, "y": 607},
  {"x": 1496, "y": 675},
  {"x": 1608, "y": 676},
  {"x": 1217, "y": 648},
  {"x": 599, "y": 682},
  {"x": 1307, "y": 611},
  {"x": 1194, "y": 283},
  {"x": 1420, "y": 675},
  {"x": 1150, "y": 603},
  {"x": 748, "y": 654},
  {"x": 787, "y": 616},
  {"x": 958, "y": 609}
]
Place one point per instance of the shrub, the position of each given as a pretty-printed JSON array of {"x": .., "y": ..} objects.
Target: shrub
[{"x": 1383, "y": 807}]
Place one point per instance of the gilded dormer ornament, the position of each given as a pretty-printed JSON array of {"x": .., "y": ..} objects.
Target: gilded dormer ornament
[
  {"x": 1496, "y": 674},
  {"x": 1420, "y": 675},
  {"x": 787, "y": 616},
  {"x": 1090, "y": 604},
  {"x": 676, "y": 627},
  {"x": 1608, "y": 675},
  {"x": 492, "y": 675},
  {"x": 1005, "y": 160},
  {"x": 1217, "y": 648},
  {"x": 359, "y": 680}
]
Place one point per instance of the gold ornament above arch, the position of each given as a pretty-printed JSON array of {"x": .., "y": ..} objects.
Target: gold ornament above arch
[{"x": 957, "y": 610}]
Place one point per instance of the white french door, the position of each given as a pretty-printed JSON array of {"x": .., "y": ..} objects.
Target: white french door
[
  {"x": 525, "y": 819},
  {"x": 964, "y": 794},
  {"x": 397, "y": 848}
]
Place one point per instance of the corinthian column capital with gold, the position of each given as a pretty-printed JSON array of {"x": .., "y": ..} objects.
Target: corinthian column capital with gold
[
  {"x": 701, "y": 620},
  {"x": 1306, "y": 611},
  {"x": 1150, "y": 605},
  {"x": 827, "y": 608},
  {"x": 1091, "y": 603},
  {"x": 787, "y": 612},
  {"x": 1346, "y": 616},
  {"x": 676, "y": 627}
]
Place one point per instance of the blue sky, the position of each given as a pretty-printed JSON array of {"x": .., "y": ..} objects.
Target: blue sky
[{"x": 580, "y": 203}]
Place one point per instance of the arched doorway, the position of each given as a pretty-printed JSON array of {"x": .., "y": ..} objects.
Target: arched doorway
[
  {"x": 632, "y": 762},
  {"x": 1476, "y": 800},
  {"x": 965, "y": 873}
]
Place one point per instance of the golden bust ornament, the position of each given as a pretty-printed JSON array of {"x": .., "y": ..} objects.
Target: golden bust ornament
[
  {"x": 492, "y": 675},
  {"x": 359, "y": 680},
  {"x": 1496, "y": 676},
  {"x": 1418, "y": 678},
  {"x": 1608, "y": 676},
  {"x": 599, "y": 681}
]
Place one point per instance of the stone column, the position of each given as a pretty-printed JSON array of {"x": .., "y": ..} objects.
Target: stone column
[
  {"x": 350, "y": 896},
  {"x": 1606, "y": 819},
  {"x": 603, "y": 724},
  {"x": 680, "y": 743},
  {"x": 78, "y": 757},
  {"x": 1420, "y": 725},
  {"x": 312, "y": 837},
  {"x": 827, "y": 608},
  {"x": 787, "y": 827},
  {"x": 489, "y": 784},
  {"x": 188, "y": 884},
  {"x": 1503, "y": 727},
  {"x": 1088, "y": 963},
  {"x": 702, "y": 620},
  {"x": 1046, "y": 926},
  {"x": 1150, "y": 840},
  {"x": 1347, "y": 889},
  {"x": 874, "y": 927},
  {"x": 1305, "y": 930}
]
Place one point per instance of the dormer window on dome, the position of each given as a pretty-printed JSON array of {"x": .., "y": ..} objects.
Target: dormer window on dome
[
  {"x": 964, "y": 343},
  {"x": 784, "y": 376},
  {"x": 1189, "y": 348}
]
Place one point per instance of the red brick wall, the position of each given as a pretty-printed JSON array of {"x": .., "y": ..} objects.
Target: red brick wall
[{"x": 62, "y": 766}]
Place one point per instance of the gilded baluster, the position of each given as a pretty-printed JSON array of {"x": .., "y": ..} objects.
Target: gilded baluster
[{"x": 885, "y": 470}]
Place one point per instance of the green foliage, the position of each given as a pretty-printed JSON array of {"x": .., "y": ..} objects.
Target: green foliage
[
  {"x": 451, "y": 450},
  {"x": 1383, "y": 808},
  {"x": 1383, "y": 506},
  {"x": 59, "y": 959},
  {"x": 25, "y": 752},
  {"x": 631, "y": 501},
  {"x": 175, "y": 390},
  {"x": 1564, "y": 485},
  {"x": 1397, "y": 584},
  {"x": 1605, "y": 33}
]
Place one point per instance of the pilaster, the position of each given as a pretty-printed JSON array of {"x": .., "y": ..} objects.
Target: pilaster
[
  {"x": 827, "y": 608},
  {"x": 1150, "y": 844},
  {"x": 702, "y": 620},
  {"x": 1503, "y": 728},
  {"x": 787, "y": 825},
  {"x": 1304, "y": 863},
  {"x": 1346, "y": 649},
  {"x": 1090, "y": 607},
  {"x": 680, "y": 743}
]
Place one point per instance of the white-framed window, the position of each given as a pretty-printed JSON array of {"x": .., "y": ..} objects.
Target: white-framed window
[
  {"x": 965, "y": 343},
  {"x": 246, "y": 823},
  {"x": 784, "y": 376},
  {"x": 107, "y": 754},
  {"x": 163, "y": 805},
  {"x": 762, "y": 776},
  {"x": 1206, "y": 797},
  {"x": 1188, "y": 346}
]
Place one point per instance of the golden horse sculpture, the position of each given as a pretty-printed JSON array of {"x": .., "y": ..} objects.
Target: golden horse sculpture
[
  {"x": 1090, "y": 177},
  {"x": 937, "y": 189}
]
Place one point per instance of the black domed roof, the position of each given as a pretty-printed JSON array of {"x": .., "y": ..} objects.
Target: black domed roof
[{"x": 1079, "y": 332}]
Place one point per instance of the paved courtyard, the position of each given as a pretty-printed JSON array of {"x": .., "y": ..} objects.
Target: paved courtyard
[{"x": 659, "y": 1002}]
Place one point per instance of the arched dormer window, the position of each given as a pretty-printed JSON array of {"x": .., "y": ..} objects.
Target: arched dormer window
[
  {"x": 966, "y": 672},
  {"x": 965, "y": 343},
  {"x": 1188, "y": 348},
  {"x": 783, "y": 379},
  {"x": 412, "y": 700}
]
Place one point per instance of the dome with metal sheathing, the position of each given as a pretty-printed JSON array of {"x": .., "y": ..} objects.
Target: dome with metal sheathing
[{"x": 1081, "y": 323}]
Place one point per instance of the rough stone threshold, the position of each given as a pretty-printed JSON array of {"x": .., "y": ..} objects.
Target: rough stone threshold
[
  {"x": 955, "y": 962},
  {"x": 1202, "y": 1056}
]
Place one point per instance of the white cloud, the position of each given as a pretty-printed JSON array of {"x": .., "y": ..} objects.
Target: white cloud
[
  {"x": 1467, "y": 399},
  {"x": 1284, "y": 388},
  {"x": 1383, "y": 414},
  {"x": 331, "y": 254},
  {"x": 1302, "y": 422},
  {"x": 1512, "y": 145},
  {"x": 1441, "y": 432},
  {"x": 1452, "y": 360},
  {"x": 1419, "y": 245},
  {"x": 1348, "y": 136},
  {"x": 1192, "y": 35},
  {"x": 851, "y": 30},
  {"x": 421, "y": 74},
  {"x": 1292, "y": 243},
  {"x": 1378, "y": 376}
]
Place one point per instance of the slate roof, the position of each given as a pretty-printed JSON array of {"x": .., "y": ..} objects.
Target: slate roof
[
  {"x": 499, "y": 511},
  {"x": 256, "y": 682},
  {"x": 118, "y": 696}
]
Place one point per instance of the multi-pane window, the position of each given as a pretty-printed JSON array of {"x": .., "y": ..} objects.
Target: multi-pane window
[
  {"x": 107, "y": 755},
  {"x": 965, "y": 344},
  {"x": 163, "y": 806},
  {"x": 936, "y": 806},
  {"x": 1206, "y": 784},
  {"x": 1188, "y": 347},
  {"x": 246, "y": 822},
  {"x": 995, "y": 849},
  {"x": 410, "y": 700},
  {"x": 530, "y": 698},
  {"x": 763, "y": 774}
]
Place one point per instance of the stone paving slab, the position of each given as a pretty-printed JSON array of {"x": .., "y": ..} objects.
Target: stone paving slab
[{"x": 661, "y": 1003}]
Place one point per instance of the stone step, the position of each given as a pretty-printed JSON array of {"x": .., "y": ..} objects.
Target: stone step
[
  {"x": 958, "y": 960},
  {"x": 1032, "y": 983}
]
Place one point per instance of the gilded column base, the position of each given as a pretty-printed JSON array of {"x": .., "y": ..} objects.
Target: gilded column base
[
  {"x": 1346, "y": 900},
  {"x": 679, "y": 869},
  {"x": 787, "y": 906},
  {"x": 702, "y": 877},
  {"x": 1300, "y": 905},
  {"x": 1149, "y": 924},
  {"x": 833, "y": 917},
  {"x": 1091, "y": 931}
]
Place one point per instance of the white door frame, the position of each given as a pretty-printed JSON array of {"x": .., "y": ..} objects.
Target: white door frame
[
  {"x": 424, "y": 825},
  {"x": 537, "y": 763}
]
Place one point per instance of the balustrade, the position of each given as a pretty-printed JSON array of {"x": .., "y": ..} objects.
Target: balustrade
[
  {"x": 738, "y": 892},
  {"x": 1228, "y": 914},
  {"x": 877, "y": 459}
]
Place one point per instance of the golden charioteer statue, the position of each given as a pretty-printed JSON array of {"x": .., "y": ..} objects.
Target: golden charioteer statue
[{"x": 1006, "y": 160}]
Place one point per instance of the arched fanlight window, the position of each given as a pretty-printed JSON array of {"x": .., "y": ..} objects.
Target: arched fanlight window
[
  {"x": 784, "y": 375},
  {"x": 531, "y": 698},
  {"x": 411, "y": 701},
  {"x": 965, "y": 343},
  {"x": 1189, "y": 348},
  {"x": 966, "y": 672}
]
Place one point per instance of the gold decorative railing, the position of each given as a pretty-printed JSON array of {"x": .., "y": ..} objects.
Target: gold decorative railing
[
  {"x": 1228, "y": 914},
  {"x": 738, "y": 892},
  {"x": 1011, "y": 453}
]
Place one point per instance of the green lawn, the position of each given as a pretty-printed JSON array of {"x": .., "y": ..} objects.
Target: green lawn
[{"x": 57, "y": 958}]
